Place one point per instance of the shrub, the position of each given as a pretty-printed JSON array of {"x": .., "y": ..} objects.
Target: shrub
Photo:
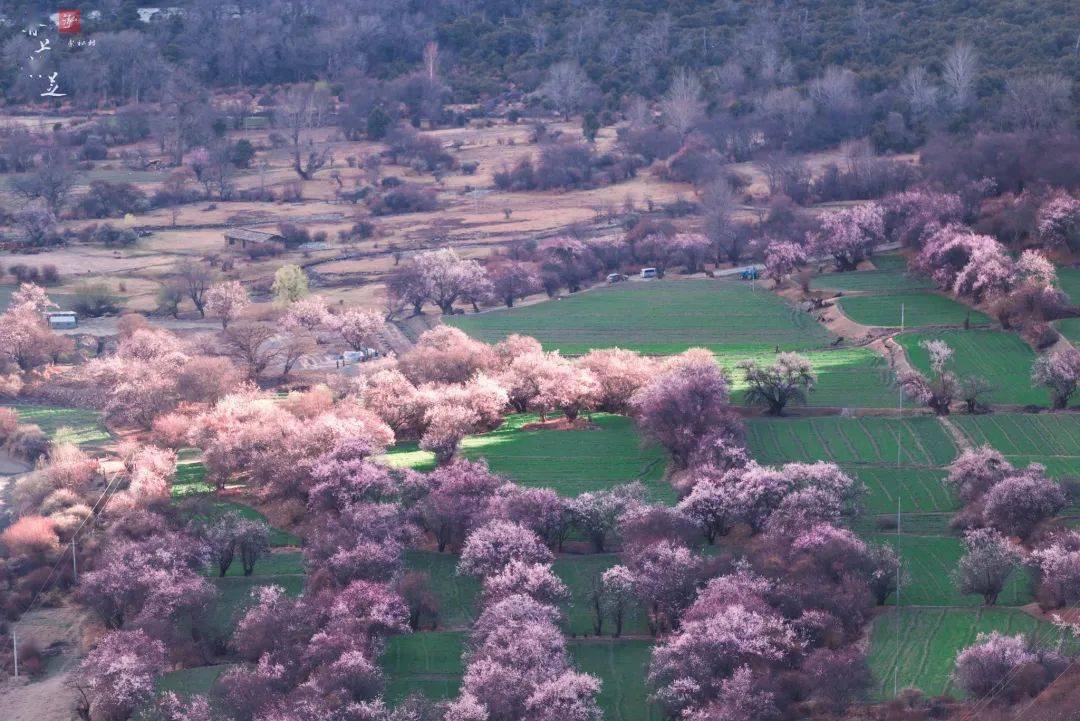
[
  {"x": 49, "y": 274},
  {"x": 293, "y": 234},
  {"x": 242, "y": 153},
  {"x": 409, "y": 146},
  {"x": 651, "y": 142},
  {"x": 9, "y": 421},
  {"x": 863, "y": 179},
  {"x": 361, "y": 230},
  {"x": 405, "y": 199},
  {"x": 105, "y": 200},
  {"x": 564, "y": 165},
  {"x": 109, "y": 235},
  {"x": 94, "y": 149},
  {"x": 31, "y": 536},
  {"x": 27, "y": 442},
  {"x": 696, "y": 162},
  {"x": 96, "y": 300}
]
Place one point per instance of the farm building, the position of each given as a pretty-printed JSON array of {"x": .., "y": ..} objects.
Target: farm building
[
  {"x": 62, "y": 319},
  {"x": 245, "y": 237}
]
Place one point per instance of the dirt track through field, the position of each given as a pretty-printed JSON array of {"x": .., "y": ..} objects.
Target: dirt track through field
[{"x": 55, "y": 632}]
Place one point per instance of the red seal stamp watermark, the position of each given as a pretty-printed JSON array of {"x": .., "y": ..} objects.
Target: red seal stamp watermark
[{"x": 70, "y": 22}]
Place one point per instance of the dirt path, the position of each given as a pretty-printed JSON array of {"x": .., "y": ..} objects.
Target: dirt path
[
  {"x": 962, "y": 441},
  {"x": 56, "y": 632}
]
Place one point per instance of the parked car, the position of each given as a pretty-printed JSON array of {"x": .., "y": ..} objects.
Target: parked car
[{"x": 649, "y": 273}]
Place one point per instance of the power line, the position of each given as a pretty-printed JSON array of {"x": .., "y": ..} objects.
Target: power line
[
  {"x": 988, "y": 698},
  {"x": 93, "y": 512},
  {"x": 1064, "y": 671}
]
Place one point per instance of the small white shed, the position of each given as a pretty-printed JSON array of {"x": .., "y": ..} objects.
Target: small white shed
[{"x": 61, "y": 319}]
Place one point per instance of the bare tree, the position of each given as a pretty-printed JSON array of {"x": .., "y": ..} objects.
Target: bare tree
[
  {"x": 565, "y": 86},
  {"x": 431, "y": 59},
  {"x": 718, "y": 202},
  {"x": 251, "y": 345},
  {"x": 920, "y": 92},
  {"x": 683, "y": 105},
  {"x": 183, "y": 110},
  {"x": 51, "y": 181},
  {"x": 958, "y": 72},
  {"x": 298, "y": 112},
  {"x": 196, "y": 279},
  {"x": 294, "y": 346},
  {"x": 1037, "y": 102},
  {"x": 834, "y": 91},
  {"x": 787, "y": 174},
  {"x": 650, "y": 48}
]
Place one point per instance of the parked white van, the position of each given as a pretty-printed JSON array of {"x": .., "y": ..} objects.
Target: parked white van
[{"x": 648, "y": 272}]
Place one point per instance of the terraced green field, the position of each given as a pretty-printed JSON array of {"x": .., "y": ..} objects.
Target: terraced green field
[
  {"x": 1069, "y": 281},
  {"x": 929, "y": 639},
  {"x": 852, "y": 442},
  {"x": 1050, "y": 439},
  {"x": 607, "y": 454},
  {"x": 866, "y": 447},
  {"x": 930, "y": 561},
  {"x": 659, "y": 318},
  {"x": 919, "y": 490},
  {"x": 74, "y": 425},
  {"x": 889, "y": 276},
  {"x": 919, "y": 309},
  {"x": 458, "y": 596},
  {"x": 621, "y": 666},
  {"x": 846, "y": 378},
  {"x": 1070, "y": 328},
  {"x": 234, "y": 596},
  {"x": 1001, "y": 358},
  {"x": 190, "y": 473},
  {"x": 431, "y": 663},
  {"x": 190, "y": 681}
]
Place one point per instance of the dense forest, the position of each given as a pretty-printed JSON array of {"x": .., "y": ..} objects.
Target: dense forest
[{"x": 490, "y": 48}]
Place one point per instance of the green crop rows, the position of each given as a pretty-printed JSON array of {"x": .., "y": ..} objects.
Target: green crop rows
[
  {"x": 889, "y": 276},
  {"x": 607, "y": 453},
  {"x": 73, "y": 425},
  {"x": 431, "y": 663},
  {"x": 919, "y": 309},
  {"x": 658, "y": 317},
  {"x": 1001, "y": 358},
  {"x": 925, "y": 642}
]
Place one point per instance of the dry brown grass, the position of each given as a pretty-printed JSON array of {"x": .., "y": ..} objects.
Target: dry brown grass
[{"x": 475, "y": 222}]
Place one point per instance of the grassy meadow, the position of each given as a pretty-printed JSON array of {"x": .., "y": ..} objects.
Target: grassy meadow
[
  {"x": 919, "y": 309},
  {"x": 1001, "y": 358},
  {"x": 607, "y": 453},
  {"x": 918, "y": 646},
  {"x": 888, "y": 276},
  {"x": 73, "y": 425},
  {"x": 431, "y": 663},
  {"x": 660, "y": 317}
]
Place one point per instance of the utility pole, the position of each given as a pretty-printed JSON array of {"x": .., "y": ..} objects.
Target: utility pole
[
  {"x": 15, "y": 650},
  {"x": 900, "y": 399},
  {"x": 899, "y": 577},
  {"x": 74, "y": 561},
  {"x": 899, "y": 560}
]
